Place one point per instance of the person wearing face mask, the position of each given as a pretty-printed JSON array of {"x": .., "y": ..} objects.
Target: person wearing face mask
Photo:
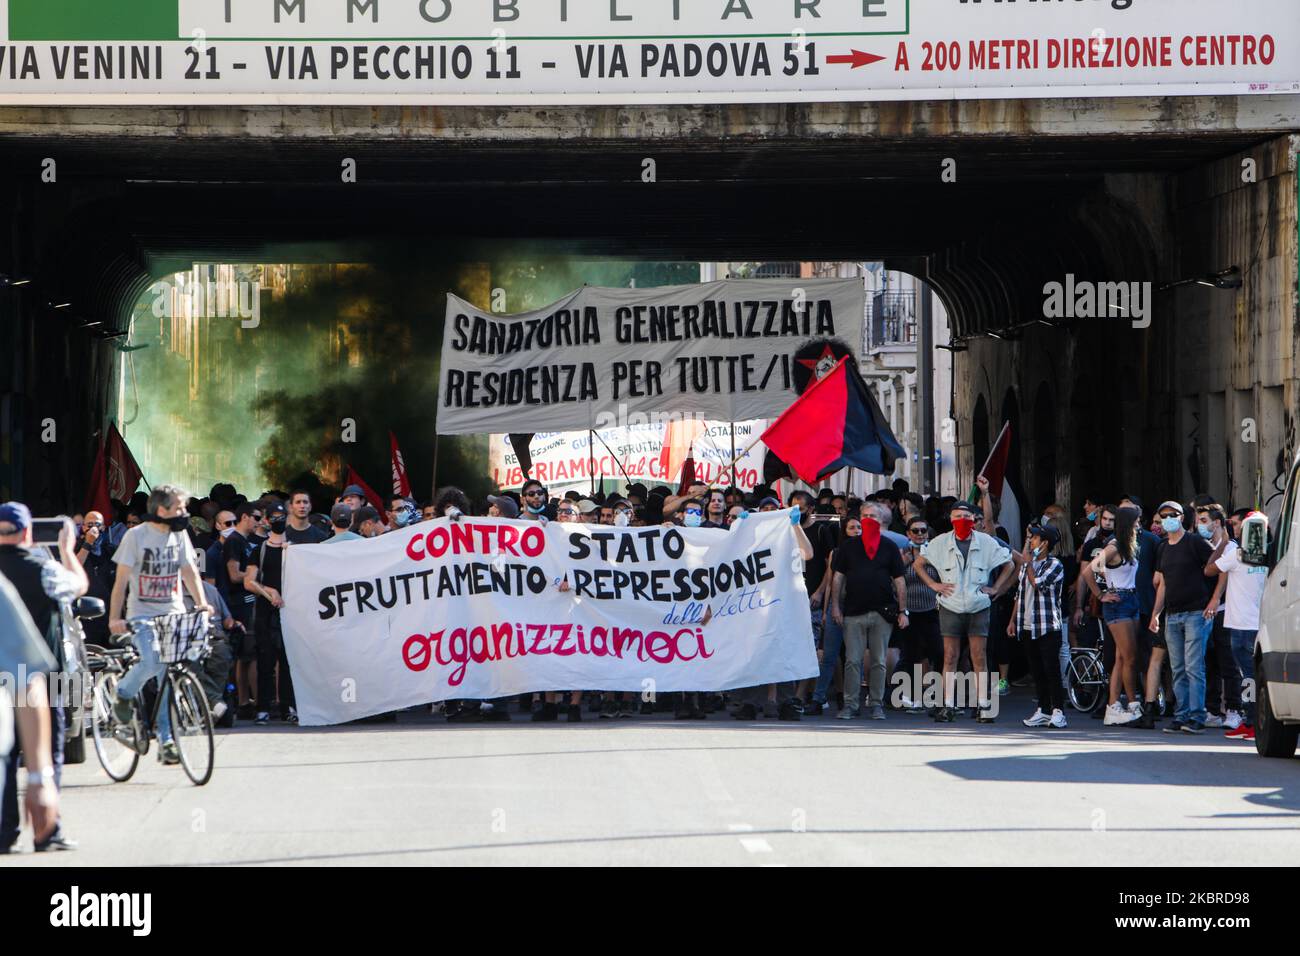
[
  {"x": 1223, "y": 677},
  {"x": 402, "y": 513},
  {"x": 691, "y": 513},
  {"x": 264, "y": 578},
  {"x": 924, "y": 643},
  {"x": 1089, "y": 527},
  {"x": 868, "y": 578},
  {"x": 1244, "y": 594},
  {"x": 1057, "y": 518},
  {"x": 95, "y": 553},
  {"x": 535, "y": 502},
  {"x": 153, "y": 560},
  {"x": 827, "y": 631},
  {"x": 1089, "y": 625},
  {"x": 1036, "y": 621},
  {"x": 957, "y": 566},
  {"x": 1183, "y": 589}
]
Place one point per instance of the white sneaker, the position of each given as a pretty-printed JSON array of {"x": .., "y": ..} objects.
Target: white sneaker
[
  {"x": 907, "y": 703},
  {"x": 1214, "y": 720},
  {"x": 1117, "y": 716},
  {"x": 1039, "y": 719},
  {"x": 1135, "y": 709},
  {"x": 1058, "y": 719},
  {"x": 219, "y": 710},
  {"x": 1232, "y": 721}
]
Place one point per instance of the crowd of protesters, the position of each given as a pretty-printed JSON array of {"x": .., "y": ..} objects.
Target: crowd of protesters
[{"x": 900, "y": 586}]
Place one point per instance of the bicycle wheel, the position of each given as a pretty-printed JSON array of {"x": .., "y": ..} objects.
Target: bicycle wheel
[
  {"x": 1087, "y": 680},
  {"x": 191, "y": 725},
  {"x": 117, "y": 757}
]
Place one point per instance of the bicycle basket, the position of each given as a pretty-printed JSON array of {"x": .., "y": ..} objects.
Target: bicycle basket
[{"x": 182, "y": 637}]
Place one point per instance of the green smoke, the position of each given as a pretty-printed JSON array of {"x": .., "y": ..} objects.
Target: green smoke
[{"x": 341, "y": 355}]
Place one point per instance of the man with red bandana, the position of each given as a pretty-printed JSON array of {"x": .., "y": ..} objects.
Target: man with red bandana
[
  {"x": 962, "y": 561},
  {"x": 868, "y": 572}
]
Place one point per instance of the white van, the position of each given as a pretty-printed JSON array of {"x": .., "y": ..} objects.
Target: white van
[{"x": 1277, "y": 649}]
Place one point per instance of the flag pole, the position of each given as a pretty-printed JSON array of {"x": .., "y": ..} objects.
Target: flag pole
[
  {"x": 434, "y": 495},
  {"x": 615, "y": 457},
  {"x": 732, "y": 482},
  {"x": 591, "y": 458}
]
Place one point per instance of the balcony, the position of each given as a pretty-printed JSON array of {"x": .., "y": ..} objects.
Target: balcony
[{"x": 891, "y": 322}]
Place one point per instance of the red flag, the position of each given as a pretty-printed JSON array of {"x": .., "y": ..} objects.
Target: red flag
[
  {"x": 835, "y": 423},
  {"x": 116, "y": 474},
  {"x": 371, "y": 498},
  {"x": 995, "y": 468},
  {"x": 401, "y": 484},
  {"x": 97, "y": 498},
  {"x": 688, "y": 471},
  {"x": 679, "y": 436}
]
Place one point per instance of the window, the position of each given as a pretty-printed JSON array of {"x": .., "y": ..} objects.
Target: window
[{"x": 1282, "y": 539}]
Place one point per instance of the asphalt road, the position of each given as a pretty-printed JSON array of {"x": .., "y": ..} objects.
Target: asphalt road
[{"x": 651, "y": 790}]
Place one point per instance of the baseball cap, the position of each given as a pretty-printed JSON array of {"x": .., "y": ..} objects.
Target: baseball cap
[
  {"x": 17, "y": 514},
  {"x": 275, "y": 508},
  {"x": 340, "y": 514},
  {"x": 963, "y": 506},
  {"x": 1172, "y": 506},
  {"x": 587, "y": 506},
  {"x": 769, "y": 501},
  {"x": 353, "y": 490},
  {"x": 1046, "y": 532},
  {"x": 505, "y": 505}
]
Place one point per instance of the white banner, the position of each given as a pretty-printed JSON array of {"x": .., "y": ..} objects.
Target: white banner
[
  {"x": 650, "y": 51},
  {"x": 600, "y": 358},
  {"x": 472, "y": 609},
  {"x": 564, "y": 460}
]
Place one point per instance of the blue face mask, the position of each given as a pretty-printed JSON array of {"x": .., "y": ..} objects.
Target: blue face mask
[
  {"x": 1092, "y": 516},
  {"x": 403, "y": 516},
  {"x": 1204, "y": 531},
  {"x": 692, "y": 520},
  {"x": 1171, "y": 524}
]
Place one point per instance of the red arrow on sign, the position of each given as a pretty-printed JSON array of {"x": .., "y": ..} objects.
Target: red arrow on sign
[{"x": 857, "y": 58}]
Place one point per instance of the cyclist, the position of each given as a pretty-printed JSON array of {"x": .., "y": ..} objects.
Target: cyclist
[{"x": 153, "y": 559}]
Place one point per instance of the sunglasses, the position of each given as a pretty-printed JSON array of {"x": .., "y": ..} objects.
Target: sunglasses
[
  {"x": 93, "y": 524},
  {"x": 694, "y": 511},
  {"x": 917, "y": 529},
  {"x": 257, "y": 517},
  {"x": 224, "y": 524},
  {"x": 567, "y": 512},
  {"x": 535, "y": 493}
]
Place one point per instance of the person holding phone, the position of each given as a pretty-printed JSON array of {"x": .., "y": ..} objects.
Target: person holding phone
[
  {"x": 43, "y": 586},
  {"x": 1036, "y": 620}
]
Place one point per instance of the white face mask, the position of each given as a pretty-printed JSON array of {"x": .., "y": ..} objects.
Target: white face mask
[
  {"x": 621, "y": 519},
  {"x": 227, "y": 532}
]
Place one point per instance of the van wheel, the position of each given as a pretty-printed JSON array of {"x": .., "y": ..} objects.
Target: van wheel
[{"x": 1272, "y": 737}]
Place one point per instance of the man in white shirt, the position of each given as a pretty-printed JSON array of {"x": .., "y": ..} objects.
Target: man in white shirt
[{"x": 1242, "y": 599}]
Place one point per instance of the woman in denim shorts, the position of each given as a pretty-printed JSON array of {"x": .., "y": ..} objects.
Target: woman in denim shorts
[{"x": 1118, "y": 562}]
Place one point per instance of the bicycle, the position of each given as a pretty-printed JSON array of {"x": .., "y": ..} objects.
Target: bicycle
[
  {"x": 180, "y": 638},
  {"x": 1089, "y": 682}
]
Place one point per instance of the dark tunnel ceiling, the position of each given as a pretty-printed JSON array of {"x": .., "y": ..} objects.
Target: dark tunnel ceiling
[{"x": 168, "y": 202}]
